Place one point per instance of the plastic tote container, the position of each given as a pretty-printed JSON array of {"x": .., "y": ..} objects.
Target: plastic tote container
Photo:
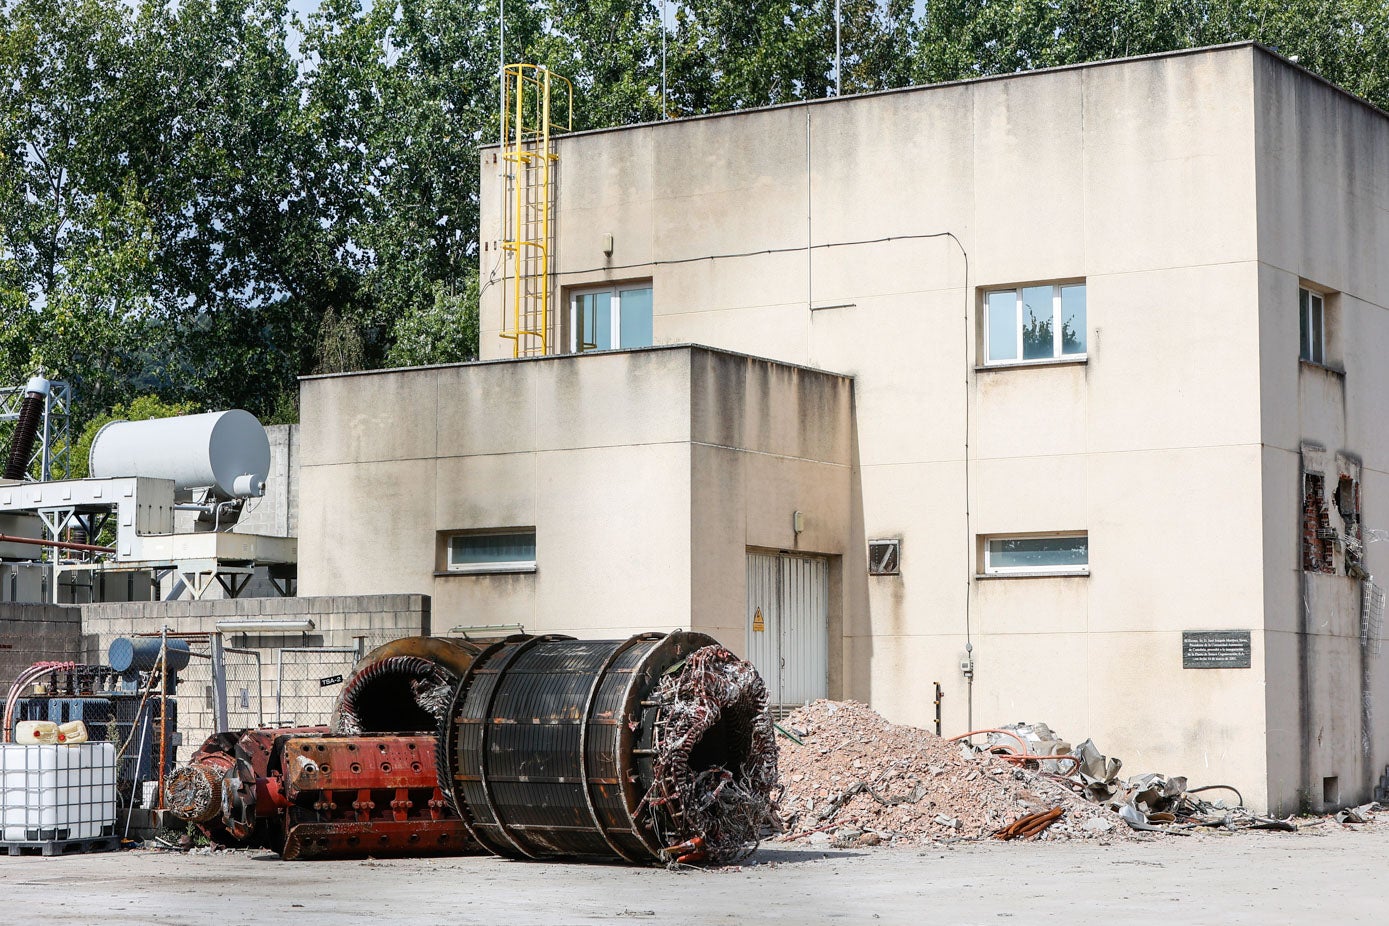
[{"x": 51, "y": 793}]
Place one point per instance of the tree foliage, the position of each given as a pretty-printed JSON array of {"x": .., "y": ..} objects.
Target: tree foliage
[{"x": 203, "y": 199}]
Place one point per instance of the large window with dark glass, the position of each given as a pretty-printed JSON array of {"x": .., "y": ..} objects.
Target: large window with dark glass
[{"x": 1035, "y": 323}]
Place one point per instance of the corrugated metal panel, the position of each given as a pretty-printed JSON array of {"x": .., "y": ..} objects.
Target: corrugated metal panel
[
  {"x": 788, "y": 598},
  {"x": 805, "y": 629},
  {"x": 764, "y": 624}
]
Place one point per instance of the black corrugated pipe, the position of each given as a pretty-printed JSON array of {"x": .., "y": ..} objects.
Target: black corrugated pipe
[
  {"x": 655, "y": 748},
  {"x": 26, "y": 428}
]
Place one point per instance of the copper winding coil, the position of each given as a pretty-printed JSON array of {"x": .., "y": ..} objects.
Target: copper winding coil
[{"x": 194, "y": 792}]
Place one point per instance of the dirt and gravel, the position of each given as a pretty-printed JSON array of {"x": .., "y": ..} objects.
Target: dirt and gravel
[{"x": 855, "y": 779}]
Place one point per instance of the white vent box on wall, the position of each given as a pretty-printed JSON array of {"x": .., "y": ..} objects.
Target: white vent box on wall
[{"x": 57, "y": 793}]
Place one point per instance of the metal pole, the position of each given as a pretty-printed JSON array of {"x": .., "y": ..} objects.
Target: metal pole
[
  {"x": 45, "y": 471},
  {"x": 501, "y": 69},
  {"x": 219, "y": 685},
  {"x": 56, "y": 544},
  {"x": 838, "y": 59},
  {"x": 163, "y": 711},
  {"x": 279, "y": 683},
  {"x": 663, "y": 59}
]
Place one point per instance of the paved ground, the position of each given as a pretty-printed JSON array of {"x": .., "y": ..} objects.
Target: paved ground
[{"x": 1326, "y": 875}]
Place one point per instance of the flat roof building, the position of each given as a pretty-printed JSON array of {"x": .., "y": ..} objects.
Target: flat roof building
[{"x": 1064, "y": 390}]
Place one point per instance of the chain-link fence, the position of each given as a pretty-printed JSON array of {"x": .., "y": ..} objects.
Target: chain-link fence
[
  {"x": 307, "y": 682},
  {"x": 286, "y": 686}
]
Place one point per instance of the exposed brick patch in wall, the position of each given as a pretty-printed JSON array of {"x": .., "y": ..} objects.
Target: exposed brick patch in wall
[
  {"x": 1318, "y": 537},
  {"x": 1348, "y": 507}
]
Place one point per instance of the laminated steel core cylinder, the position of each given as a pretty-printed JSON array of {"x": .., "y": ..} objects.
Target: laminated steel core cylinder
[{"x": 655, "y": 748}]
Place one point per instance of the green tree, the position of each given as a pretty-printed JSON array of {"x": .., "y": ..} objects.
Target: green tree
[
  {"x": 1345, "y": 41},
  {"x": 399, "y": 99},
  {"x": 74, "y": 248},
  {"x": 445, "y": 332},
  {"x": 219, "y": 143}
]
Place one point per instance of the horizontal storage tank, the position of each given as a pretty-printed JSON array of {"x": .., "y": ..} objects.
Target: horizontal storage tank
[
  {"x": 227, "y": 451},
  {"x": 655, "y": 748},
  {"x": 141, "y": 654}
]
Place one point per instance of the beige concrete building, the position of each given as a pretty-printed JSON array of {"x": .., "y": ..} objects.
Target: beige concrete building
[{"x": 1104, "y": 352}]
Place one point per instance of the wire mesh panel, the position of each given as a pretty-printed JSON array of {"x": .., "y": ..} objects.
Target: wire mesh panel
[
  {"x": 308, "y": 680},
  {"x": 1371, "y": 616}
]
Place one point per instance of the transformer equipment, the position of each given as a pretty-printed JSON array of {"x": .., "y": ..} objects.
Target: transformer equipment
[{"x": 655, "y": 748}]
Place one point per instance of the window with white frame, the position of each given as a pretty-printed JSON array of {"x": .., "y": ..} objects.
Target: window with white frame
[
  {"x": 1312, "y": 313},
  {"x": 610, "y": 317},
  {"x": 511, "y": 550},
  {"x": 1057, "y": 553},
  {"x": 1035, "y": 323}
]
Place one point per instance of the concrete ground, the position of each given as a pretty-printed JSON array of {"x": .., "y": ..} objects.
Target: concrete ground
[{"x": 1323, "y": 875}]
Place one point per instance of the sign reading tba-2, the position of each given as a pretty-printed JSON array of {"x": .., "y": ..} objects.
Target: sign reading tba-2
[{"x": 1215, "y": 649}]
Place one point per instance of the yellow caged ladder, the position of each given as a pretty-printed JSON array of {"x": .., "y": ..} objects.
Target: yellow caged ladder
[{"x": 528, "y": 154}]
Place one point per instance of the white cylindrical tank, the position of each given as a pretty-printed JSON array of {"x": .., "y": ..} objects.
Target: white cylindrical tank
[{"x": 227, "y": 451}]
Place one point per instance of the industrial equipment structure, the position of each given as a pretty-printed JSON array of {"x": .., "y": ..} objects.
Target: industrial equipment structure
[
  {"x": 147, "y": 479},
  {"x": 658, "y": 748},
  {"x": 364, "y": 785},
  {"x": 41, "y": 437},
  {"x": 129, "y": 702}
]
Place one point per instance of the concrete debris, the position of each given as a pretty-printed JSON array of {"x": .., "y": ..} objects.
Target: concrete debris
[
  {"x": 1365, "y": 813},
  {"x": 855, "y": 779},
  {"x": 1154, "y": 803}
]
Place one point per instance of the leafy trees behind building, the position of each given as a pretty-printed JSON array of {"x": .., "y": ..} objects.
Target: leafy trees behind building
[{"x": 204, "y": 199}]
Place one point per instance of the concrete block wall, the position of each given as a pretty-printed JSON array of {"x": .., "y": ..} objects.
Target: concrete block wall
[
  {"x": 293, "y": 686},
  {"x": 276, "y": 514},
  {"x": 31, "y": 633}
]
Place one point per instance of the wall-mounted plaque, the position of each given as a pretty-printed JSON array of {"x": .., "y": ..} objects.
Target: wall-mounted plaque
[{"x": 1215, "y": 649}]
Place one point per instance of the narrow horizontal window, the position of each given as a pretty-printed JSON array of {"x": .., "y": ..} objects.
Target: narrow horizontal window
[
  {"x": 499, "y": 551},
  {"x": 1068, "y": 553}
]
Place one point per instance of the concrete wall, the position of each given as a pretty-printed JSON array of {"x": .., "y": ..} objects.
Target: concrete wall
[
  {"x": 1323, "y": 222},
  {"x": 276, "y": 514},
  {"x": 1137, "y": 177},
  {"x": 767, "y": 441},
  {"x": 621, "y": 462},
  {"x": 31, "y": 633},
  {"x": 360, "y": 622}
]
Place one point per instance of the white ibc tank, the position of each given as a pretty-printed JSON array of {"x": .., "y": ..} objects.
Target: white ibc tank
[{"x": 225, "y": 450}]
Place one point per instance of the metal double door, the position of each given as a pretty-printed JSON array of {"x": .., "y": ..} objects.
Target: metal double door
[{"x": 788, "y": 625}]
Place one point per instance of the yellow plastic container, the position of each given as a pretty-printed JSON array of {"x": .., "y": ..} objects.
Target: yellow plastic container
[
  {"x": 34, "y": 732},
  {"x": 72, "y": 733}
]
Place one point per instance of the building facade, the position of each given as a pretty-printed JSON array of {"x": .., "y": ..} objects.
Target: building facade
[{"x": 1098, "y": 440}]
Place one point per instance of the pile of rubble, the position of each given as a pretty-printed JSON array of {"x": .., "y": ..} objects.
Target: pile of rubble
[{"x": 855, "y": 779}]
